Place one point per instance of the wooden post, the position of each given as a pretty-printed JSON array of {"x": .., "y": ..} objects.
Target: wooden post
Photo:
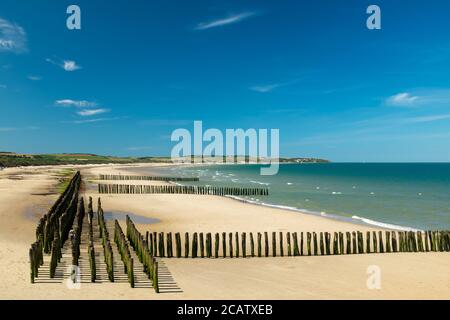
[
  {"x": 354, "y": 246},
  {"x": 244, "y": 245},
  {"x": 202, "y": 245},
  {"x": 335, "y": 244},
  {"x": 186, "y": 245},
  {"x": 394, "y": 241},
  {"x": 349, "y": 243},
  {"x": 289, "y": 248},
  {"x": 274, "y": 244},
  {"x": 327, "y": 243},
  {"x": 208, "y": 245},
  {"x": 322, "y": 245},
  {"x": 224, "y": 245},
  {"x": 281, "y": 245},
  {"x": 295, "y": 240},
  {"x": 388, "y": 241},
  {"x": 237, "y": 244},
  {"x": 178, "y": 244},
  {"x": 368, "y": 242},
  {"x": 341, "y": 243},
  {"x": 266, "y": 243},
  {"x": 252, "y": 245},
  {"x": 375, "y": 242},
  {"x": 195, "y": 245},
  {"x": 301, "y": 243},
  {"x": 420, "y": 241},
  {"x": 230, "y": 239},
  {"x": 259, "y": 244},
  {"x": 315, "y": 244},
  {"x": 380, "y": 238}
]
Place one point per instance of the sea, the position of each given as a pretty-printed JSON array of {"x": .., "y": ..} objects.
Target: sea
[{"x": 402, "y": 196}]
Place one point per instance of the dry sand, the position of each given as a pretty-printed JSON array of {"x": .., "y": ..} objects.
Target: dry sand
[{"x": 403, "y": 276}]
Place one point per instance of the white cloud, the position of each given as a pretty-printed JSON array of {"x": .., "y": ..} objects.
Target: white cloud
[
  {"x": 75, "y": 103},
  {"x": 70, "y": 65},
  {"x": 403, "y": 99},
  {"x": 266, "y": 88},
  {"x": 34, "y": 78},
  {"x": 12, "y": 37},
  {"x": 91, "y": 112},
  {"x": 67, "y": 65},
  {"x": 225, "y": 21}
]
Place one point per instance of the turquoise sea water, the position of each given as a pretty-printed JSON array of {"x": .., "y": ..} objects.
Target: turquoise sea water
[{"x": 406, "y": 195}]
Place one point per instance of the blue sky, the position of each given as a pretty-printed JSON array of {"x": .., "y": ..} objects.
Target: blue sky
[{"x": 138, "y": 70}]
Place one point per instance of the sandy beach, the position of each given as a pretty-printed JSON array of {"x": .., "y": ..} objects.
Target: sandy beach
[{"x": 27, "y": 193}]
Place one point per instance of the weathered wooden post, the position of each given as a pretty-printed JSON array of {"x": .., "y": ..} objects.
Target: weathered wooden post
[
  {"x": 186, "y": 245},
  {"x": 288, "y": 236},
  {"x": 244, "y": 245},
  {"x": 237, "y": 244},
  {"x": 374, "y": 242},
  {"x": 301, "y": 243},
  {"x": 388, "y": 241},
  {"x": 315, "y": 244},
  {"x": 341, "y": 243},
  {"x": 178, "y": 244},
  {"x": 266, "y": 243},
  {"x": 274, "y": 244},
  {"x": 161, "y": 245},
  {"x": 230, "y": 237},
  {"x": 427, "y": 245},
  {"x": 360, "y": 242},
  {"x": 259, "y": 244},
  {"x": 394, "y": 241},
  {"x": 322, "y": 244},
  {"x": 281, "y": 245},
  {"x": 420, "y": 241},
  {"x": 208, "y": 245},
  {"x": 202, "y": 245},
  {"x": 354, "y": 246},
  {"x": 335, "y": 244},
  {"x": 252, "y": 245},
  {"x": 380, "y": 238},
  {"x": 349, "y": 243},
  {"x": 368, "y": 242},
  {"x": 195, "y": 245},
  {"x": 224, "y": 245},
  {"x": 327, "y": 243},
  {"x": 295, "y": 240}
]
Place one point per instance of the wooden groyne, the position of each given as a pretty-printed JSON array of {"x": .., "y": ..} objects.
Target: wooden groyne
[
  {"x": 53, "y": 228},
  {"x": 174, "y": 189},
  {"x": 279, "y": 244},
  {"x": 147, "y": 178}
]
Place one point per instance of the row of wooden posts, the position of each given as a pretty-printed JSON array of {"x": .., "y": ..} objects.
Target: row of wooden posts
[
  {"x": 124, "y": 251},
  {"x": 140, "y": 246},
  {"x": 297, "y": 244},
  {"x": 104, "y": 235},
  {"x": 53, "y": 228},
  {"x": 148, "y": 178},
  {"x": 77, "y": 229},
  {"x": 91, "y": 250},
  {"x": 175, "y": 189}
]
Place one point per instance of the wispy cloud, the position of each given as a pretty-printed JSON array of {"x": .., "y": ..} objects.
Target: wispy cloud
[
  {"x": 404, "y": 99},
  {"x": 67, "y": 65},
  {"x": 431, "y": 118},
  {"x": 34, "y": 78},
  {"x": 225, "y": 21},
  {"x": 270, "y": 87},
  {"x": 75, "y": 103},
  {"x": 420, "y": 98},
  {"x": 12, "y": 37},
  {"x": 91, "y": 112}
]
